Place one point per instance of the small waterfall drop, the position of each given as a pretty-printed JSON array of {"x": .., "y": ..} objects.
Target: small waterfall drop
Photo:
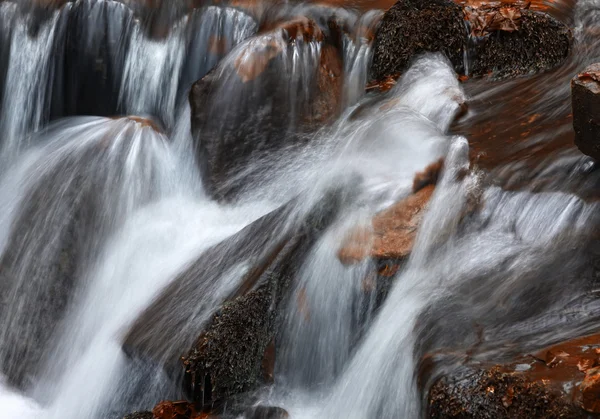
[
  {"x": 151, "y": 74},
  {"x": 27, "y": 89}
]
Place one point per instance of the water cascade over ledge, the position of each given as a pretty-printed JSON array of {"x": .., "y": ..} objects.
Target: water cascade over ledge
[{"x": 221, "y": 205}]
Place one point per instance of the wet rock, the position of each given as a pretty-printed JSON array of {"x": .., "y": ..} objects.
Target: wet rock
[
  {"x": 66, "y": 210},
  {"x": 140, "y": 415},
  {"x": 411, "y": 27},
  {"x": 590, "y": 389},
  {"x": 266, "y": 412},
  {"x": 557, "y": 382},
  {"x": 505, "y": 40},
  {"x": 174, "y": 410},
  {"x": 538, "y": 42},
  {"x": 393, "y": 234},
  {"x": 227, "y": 359},
  {"x": 257, "y": 107},
  {"x": 585, "y": 97},
  {"x": 230, "y": 345}
]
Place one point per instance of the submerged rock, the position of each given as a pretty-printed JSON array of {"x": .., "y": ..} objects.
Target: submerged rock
[
  {"x": 585, "y": 97},
  {"x": 506, "y": 40},
  {"x": 561, "y": 381},
  {"x": 264, "y": 97}
]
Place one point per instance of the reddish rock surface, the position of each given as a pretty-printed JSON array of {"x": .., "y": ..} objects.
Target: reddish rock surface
[
  {"x": 394, "y": 231},
  {"x": 561, "y": 381}
]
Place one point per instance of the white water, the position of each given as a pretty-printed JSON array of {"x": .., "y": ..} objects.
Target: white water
[
  {"x": 27, "y": 87},
  {"x": 152, "y": 219},
  {"x": 152, "y": 72}
]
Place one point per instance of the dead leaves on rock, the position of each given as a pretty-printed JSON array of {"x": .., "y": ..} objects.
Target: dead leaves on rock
[{"x": 485, "y": 18}]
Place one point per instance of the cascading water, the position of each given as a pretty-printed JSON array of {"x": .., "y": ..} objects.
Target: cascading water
[
  {"x": 27, "y": 90},
  {"x": 124, "y": 237}
]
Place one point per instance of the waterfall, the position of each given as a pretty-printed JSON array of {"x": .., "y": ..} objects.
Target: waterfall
[
  {"x": 162, "y": 162},
  {"x": 151, "y": 74},
  {"x": 27, "y": 89}
]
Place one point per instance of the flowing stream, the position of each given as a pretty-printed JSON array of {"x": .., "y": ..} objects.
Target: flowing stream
[{"x": 104, "y": 205}]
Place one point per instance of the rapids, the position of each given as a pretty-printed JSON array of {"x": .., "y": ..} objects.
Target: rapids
[{"x": 103, "y": 205}]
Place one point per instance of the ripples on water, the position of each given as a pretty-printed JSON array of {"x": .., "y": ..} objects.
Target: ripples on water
[{"x": 503, "y": 249}]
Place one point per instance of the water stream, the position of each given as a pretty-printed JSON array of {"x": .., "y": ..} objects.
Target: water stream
[{"x": 100, "y": 214}]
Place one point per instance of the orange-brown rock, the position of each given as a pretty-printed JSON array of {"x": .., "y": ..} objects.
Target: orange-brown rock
[
  {"x": 561, "y": 381},
  {"x": 393, "y": 231},
  {"x": 174, "y": 410}
]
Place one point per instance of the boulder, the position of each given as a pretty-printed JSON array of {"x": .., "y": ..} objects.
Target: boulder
[
  {"x": 505, "y": 39},
  {"x": 585, "y": 97},
  {"x": 411, "y": 27},
  {"x": 229, "y": 356},
  {"x": 561, "y": 381},
  {"x": 527, "y": 43},
  {"x": 230, "y": 344},
  {"x": 257, "y": 102}
]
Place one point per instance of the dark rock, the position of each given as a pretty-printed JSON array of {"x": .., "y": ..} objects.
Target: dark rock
[
  {"x": 505, "y": 40},
  {"x": 493, "y": 394},
  {"x": 140, "y": 415},
  {"x": 250, "y": 105},
  {"x": 540, "y": 43},
  {"x": 561, "y": 381},
  {"x": 266, "y": 412},
  {"x": 585, "y": 97},
  {"x": 272, "y": 248},
  {"x": 411, "y": 27},
  {"x": 227, "y": 358}
]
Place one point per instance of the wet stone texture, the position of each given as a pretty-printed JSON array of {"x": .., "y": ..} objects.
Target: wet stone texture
[
  {"x": 411, "y": 27},
  {"x": 539, "y": 43},
  {"x": 493, "y": 39},
  {"x": 562, "y": 381},
  {"x": 585, "y": 96}
]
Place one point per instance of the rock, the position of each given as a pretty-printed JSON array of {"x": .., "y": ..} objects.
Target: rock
[
  {"x": 393, "y": 234},
  {"x": 174, "y": 410},
  {"x": 266, "y": 412},
  {"x": 411, "y": 27},
  {"x": 256, "y": 110},
  {"x": 590, "y": 388},
  {"x": 67, "y": 208},
  {"x": 545, "y": 384},
  {"x": 231, "y": 343},
  {"x": 539, "y": 43},
  {"x": 506, "y": 40},
  {"x": 140, "y": 415},
  {"x": 228, "y": 357},
  {"x": 585, "y": 97}
]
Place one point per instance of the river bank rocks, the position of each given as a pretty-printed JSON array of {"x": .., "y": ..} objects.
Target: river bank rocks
[
  {"x": 261, "y": 102},
  {"x": 496, "y": 39},
  {"x": 585, "y": 99},
  {"x": 561, "y": 381}
]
